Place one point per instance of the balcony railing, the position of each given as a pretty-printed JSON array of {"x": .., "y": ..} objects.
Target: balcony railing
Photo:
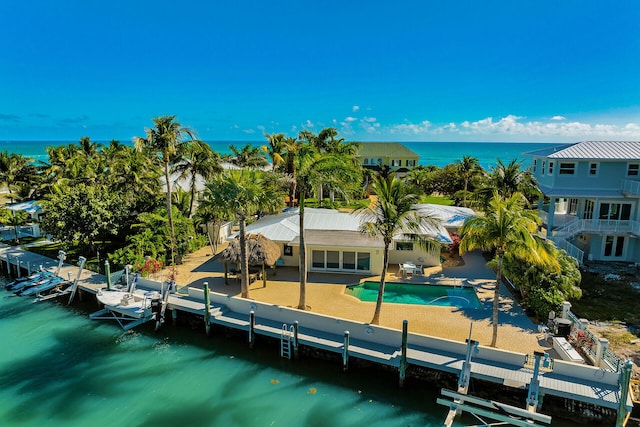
[
  {"x": 598, "y": 226},
  {"x": 631, "y": 187},
  {"x": 570, "y": 249}
]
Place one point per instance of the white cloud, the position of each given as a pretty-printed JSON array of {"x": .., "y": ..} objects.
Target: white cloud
[
  {"x": 350, "y": 119},
  {"x": 355, "y": 108},
  {"x": 249, "y": 131},
  {"x": 369, "y": 119},
  {"x": 308, "y": 124},
  {"x": 412, "y": 128},
  {"x": 558, "y": 118}
]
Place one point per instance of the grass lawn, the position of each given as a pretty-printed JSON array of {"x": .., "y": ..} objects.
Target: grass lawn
[
  {"x": 607, "y": 300},
  {"x": 437, "y": 200}
]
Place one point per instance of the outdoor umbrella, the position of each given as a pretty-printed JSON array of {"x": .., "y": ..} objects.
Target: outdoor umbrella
[{"x": 261, "y": 251}]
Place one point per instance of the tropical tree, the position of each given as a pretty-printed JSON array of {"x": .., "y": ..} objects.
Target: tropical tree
[
  {"x": 507, "y": 179},
  {"x": 312, "y": 169},
  {"x": 391, "y": 213},
  {"x": 468, "y": 167},
  {"x": 248, "y": 156},
  {"x": 506, "y": 227},
  {"x": 275, "y": 148},
  {"x": 17, "y": 174},
  {"x": 166, "y": 138},
  {"x": 199, "y": 162},
  {"x": 243, "y": 193},
  {"x": 14, "y": 219}
]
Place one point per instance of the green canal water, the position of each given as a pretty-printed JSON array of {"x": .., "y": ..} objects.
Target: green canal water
[{"x": 59, "y": 368}]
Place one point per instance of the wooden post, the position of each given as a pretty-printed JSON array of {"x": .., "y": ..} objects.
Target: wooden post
[
  {"x": 107, "y": 272},
  {"x": 8, "y": 267},
  {"x": 345, "y": 352},
  {"x": 207, "y": 313},
  {"x": 252, "y": 324},
  {"x": 18, "y": 272},
  {"x": 295, "y": 339},
  {"x": 226, "y": 277},
  {"x": 264, "y": 276},
  {"x": 28, "y": 268},
  {"x": 625, "y": 378},
  {"x": 403, "y": 357}
]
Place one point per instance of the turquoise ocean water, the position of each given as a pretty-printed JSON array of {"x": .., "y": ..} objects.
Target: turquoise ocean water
[{"x": 431, "y": 153}]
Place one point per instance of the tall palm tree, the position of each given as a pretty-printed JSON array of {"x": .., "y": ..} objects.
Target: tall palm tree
[
  {"x": 165, "y": 138},
  {"x": 312, "y": 169},
  {"x": 506, "y": 227},
  {"x": 468, "y": 167},
  {"x": 243, "y": 193},
  {"x": 391, "y": 214},
  {"x": 199, "y": 162}
]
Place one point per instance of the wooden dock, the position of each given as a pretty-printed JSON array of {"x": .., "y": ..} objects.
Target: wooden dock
[{"x": 369, "y": 342}]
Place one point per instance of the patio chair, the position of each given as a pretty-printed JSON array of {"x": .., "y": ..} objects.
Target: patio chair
[
  {"x": 401, "y": 271},
  {"x": 418, "y": 270}
]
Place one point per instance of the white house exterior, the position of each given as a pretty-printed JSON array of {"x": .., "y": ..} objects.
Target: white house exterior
[
  {"x": 334, "y": 243},
  {"x": 594, "y": 198}
]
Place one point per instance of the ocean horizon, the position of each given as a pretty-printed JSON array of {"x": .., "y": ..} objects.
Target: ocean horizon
[{"x": 431, "y": 153}]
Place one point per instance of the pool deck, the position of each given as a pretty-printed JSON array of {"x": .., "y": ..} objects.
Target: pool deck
[{"x": 325, "y": 294}]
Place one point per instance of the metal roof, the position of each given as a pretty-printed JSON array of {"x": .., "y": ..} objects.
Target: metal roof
[
  {"x": 284, "y": 227},
  {"x": 385, "y": 149},
  {"x": 353, "y": 239},
  {"x": 597, "y": 150}
]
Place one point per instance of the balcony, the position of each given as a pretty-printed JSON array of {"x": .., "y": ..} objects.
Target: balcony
[
  {"x": 600, "y": 226},
  {"x": 630, "y": 188}
]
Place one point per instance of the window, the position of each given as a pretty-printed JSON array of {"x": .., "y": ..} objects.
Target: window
[
  {"x": 411, "y": 163},
  {"x": 364, "y": 261},
  {"x": 567, "y": 168},
  {"x": 366, "y": 161},
  {"x": 632, "y": 169},
  {"x": 544, "y": 165},
  {"x": 351, "y": 261},
  {"x": 379, "y": 162},
  {"x": 396, "y": 162},
  {"x": 615, "y": 211},
  {"x": 593, "y": 169},
  {"x": 588, "y": 209},
  {"x": 288, "y": 250},
  {"x": 317, "y": 259},
  {"x": 404, "y": 246},
  {"x": 573, "y": 206},
  {"x": 614, "y": 246},
  {"x": 550, "y": 168},
  {"x": 535, "y": 164}
]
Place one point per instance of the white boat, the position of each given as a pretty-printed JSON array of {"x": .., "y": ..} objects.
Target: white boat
[{"x": 129, "y": 309}]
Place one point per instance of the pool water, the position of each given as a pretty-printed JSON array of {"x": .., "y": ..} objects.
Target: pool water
[{"x": 432, "y": 295}]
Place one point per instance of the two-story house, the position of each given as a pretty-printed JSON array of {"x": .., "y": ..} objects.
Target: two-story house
[
  {"x": 593, "y": 188},
  {"x": 395, "y": 156}
]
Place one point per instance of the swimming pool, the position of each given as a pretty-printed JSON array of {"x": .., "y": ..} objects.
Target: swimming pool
[{"x": 433, "y": 295}]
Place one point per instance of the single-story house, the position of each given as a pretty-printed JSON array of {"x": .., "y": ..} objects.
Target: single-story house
[
  {"x": 35, "y": 212},
  {"x": 335, "y": 244}
]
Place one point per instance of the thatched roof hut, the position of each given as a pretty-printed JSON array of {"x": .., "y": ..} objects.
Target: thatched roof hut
[{"x": 261, "y": 252}]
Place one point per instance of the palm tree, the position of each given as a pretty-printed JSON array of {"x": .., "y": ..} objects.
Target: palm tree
[
  {"x": 390, "y": 214},
  {"x": 199, "y": 162},
  {"x": 15, "y": 219},
  {"x": 243, "y": 193},
  {"x": 248, "y": 156},
  {"x": 468, "y": 167},
  {"x": 313, "y": 169},
  {"x": 506, "y": 227},
  {"x": 166, "y": 139},
  {"x": 275, "y": 149}
]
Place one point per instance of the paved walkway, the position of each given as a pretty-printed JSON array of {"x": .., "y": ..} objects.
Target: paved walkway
[{"x": 325, "y": 294}]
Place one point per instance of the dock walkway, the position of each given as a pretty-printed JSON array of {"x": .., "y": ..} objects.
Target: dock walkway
[{"x": 368, "y": 342}]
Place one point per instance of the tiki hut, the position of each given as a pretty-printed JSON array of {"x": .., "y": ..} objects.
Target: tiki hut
[{"x": 261, "y": 252}]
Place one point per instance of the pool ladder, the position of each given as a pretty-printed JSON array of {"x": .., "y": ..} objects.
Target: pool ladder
[{"x": 285, "y": 341}]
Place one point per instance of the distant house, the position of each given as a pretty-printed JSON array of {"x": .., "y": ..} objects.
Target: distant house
[
  {"x": 32, "y": 227},
  {"x": 335, "y": 244},
  {"x": 395, "y": 156},
  {"x": 593, "y": 189}
]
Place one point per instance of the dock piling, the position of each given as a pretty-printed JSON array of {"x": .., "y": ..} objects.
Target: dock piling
[
  {"x": 403, "y": 357},
  {"x": 345, "y": 352},
  {"x": 295, "y": 339},
  {"x": 252, "y": 325},
  {"x": 207, "y": 307}
]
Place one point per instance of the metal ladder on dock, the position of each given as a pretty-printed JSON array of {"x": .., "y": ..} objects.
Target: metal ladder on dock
[{"x": 285, "y": 341}]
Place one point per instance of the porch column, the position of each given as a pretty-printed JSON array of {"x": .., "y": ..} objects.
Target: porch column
[{"x": 550, "y": 216}]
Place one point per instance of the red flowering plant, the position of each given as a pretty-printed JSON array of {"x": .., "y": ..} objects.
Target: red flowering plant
[
  {"x": 455, "y": 243},
  {"x": 150, "y": 266}
]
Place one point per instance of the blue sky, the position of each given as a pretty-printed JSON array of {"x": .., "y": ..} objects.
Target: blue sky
[{"x": 553, "y": 71}]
